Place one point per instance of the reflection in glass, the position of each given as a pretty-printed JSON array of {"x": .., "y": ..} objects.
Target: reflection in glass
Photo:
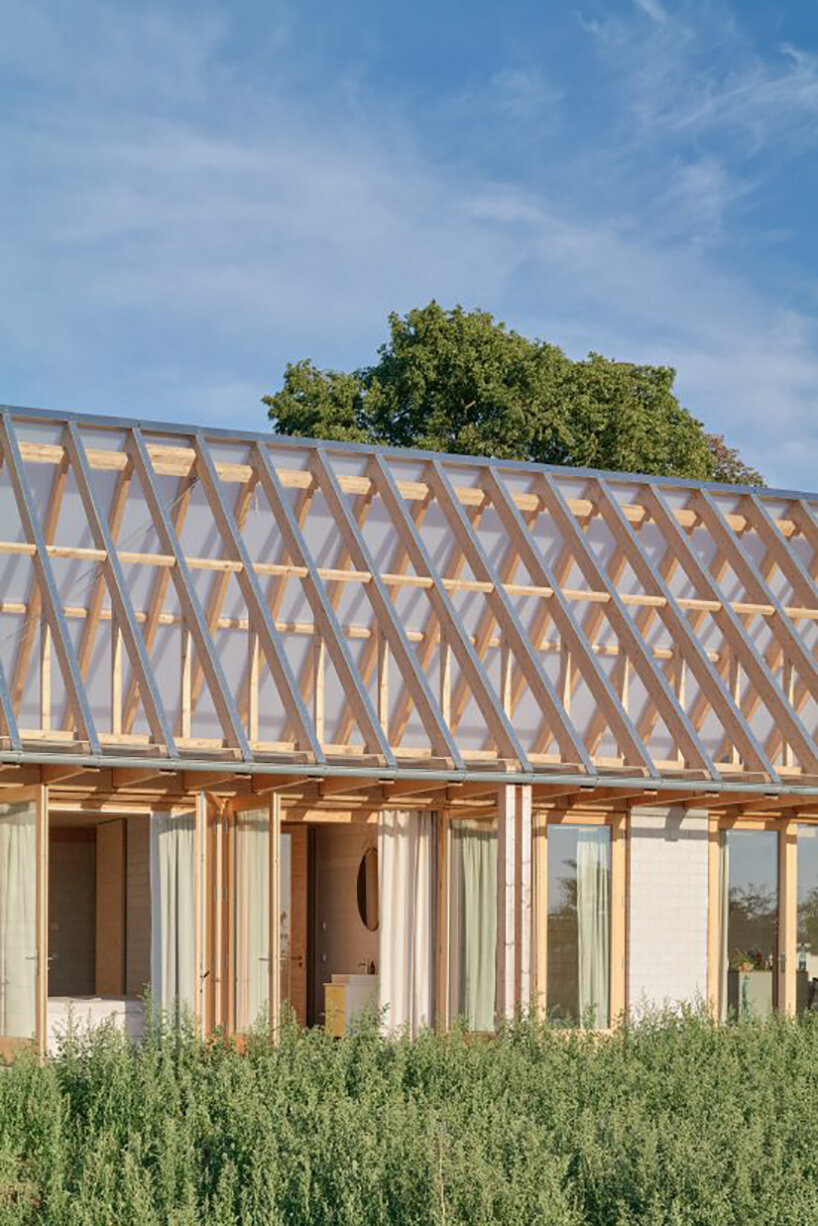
[
  {"x": 473, "y": 930},
  {"x": 367, "y": 889},
  {"x": 18, "y": 930},
  {"x": 579, "y": 923},
  {"x": 806, "y": 963},
  {"x": 749, "y": 902}
]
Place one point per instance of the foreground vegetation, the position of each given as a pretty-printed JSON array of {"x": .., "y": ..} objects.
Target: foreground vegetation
[{"x": 673, "y": 1121}]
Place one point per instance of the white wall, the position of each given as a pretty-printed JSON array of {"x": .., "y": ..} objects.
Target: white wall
[{"x": 667, "y": 948}]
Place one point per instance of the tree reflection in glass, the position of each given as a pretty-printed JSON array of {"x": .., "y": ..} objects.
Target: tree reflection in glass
[{"x": 749, "y": 922}]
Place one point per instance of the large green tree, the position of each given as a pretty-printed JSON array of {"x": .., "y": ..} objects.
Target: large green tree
[{"x": 460, "y": 381}]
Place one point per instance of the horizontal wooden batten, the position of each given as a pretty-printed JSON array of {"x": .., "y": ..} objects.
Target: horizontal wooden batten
[{"x": 181, "y": 461}]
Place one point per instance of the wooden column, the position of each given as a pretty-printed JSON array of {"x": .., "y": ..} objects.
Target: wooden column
[
  {"x": 442, "y": 923},
  {"x": 275, "y": 916},
  {"x": 506, "y": 864},
  {"x": 524, "y": 898},
  {"x": 619, "y": 894},
  {"x": 788, "y": 917},
  {"x": 41, "y": 800},
  {"x": 540, "y": 913},
  {"x": 204, "y": 977},
  {"x": 514, "y": 899}
]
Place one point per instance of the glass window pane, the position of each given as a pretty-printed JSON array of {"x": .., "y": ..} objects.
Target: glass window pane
[
  {"x": 18, "y": 927},
  {"x": 473, "y": 923},
  {"x": 749, "y": 922},
  {"x": 579, "y": 924},
  {"x": 806, "y": 964}
]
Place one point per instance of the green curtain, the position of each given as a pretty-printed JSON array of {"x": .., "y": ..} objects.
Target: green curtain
[
  {"x": 594, "y": 924},
  {"x": 474, "y": 922}
]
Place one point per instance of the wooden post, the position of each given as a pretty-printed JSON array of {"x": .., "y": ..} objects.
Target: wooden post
[
  {"x": 540, "y": 866},
  {"x": 714, "y": 916},
  {"x": 41, "y": 1011},
  {"x": 619, "y": 875},
  {"x": 186, "y": 675},
  {"x": 203, "y": 927},
  {"x": 442, "y": 1001},
  {"x": 252, "y": 685},
  {"x": 45, "y": 676},
  {"x": 116, "y": 680},
  {"x": 319, "y": 673},
  {"x": 445, "y": 677},
  {"x": 788, "y": 917},
  {"x": 523, "y": 901},
  {"x": 275, "y": 916},
  {"x": 506, "y": 691},
  {"x": 383, "y": 680},
  {"x": 506, "y": 864}
]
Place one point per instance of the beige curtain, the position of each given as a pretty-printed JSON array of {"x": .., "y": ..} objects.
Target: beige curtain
[
  {"x": 251, "y": 917},
  {"x": 473, "y": 932},
  {"x": 18, "y": 929},
  {"x": 405, "y": 845},
  {"x": 724, "y": 922},
  {"x": 173, "y": 910}
]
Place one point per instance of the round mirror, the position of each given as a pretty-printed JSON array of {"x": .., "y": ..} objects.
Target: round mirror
[{"x": 368, "y": 889}]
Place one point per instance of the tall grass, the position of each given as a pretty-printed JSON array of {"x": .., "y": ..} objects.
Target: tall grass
[{"x": 668, "y": 1122}]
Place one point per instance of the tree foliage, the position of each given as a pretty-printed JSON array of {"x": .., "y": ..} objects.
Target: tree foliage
[{"x": 460, "y": 381}]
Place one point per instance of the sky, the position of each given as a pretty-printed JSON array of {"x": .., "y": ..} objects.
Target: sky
[{"x": 192, "y": 194}]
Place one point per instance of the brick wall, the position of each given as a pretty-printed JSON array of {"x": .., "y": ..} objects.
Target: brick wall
[{"x": 667, "y": 948}]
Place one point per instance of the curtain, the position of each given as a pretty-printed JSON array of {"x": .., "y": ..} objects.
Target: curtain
[
  {"x": 473, "y": 933},
  {"x": 593, "y": 920},
  {"x": 251, "y": 917},
  {"x": 173, "y": 911},
  {"x": 405, "y": 844},
  {"x": 724, "y": 908},
  {"x": 18, "y": 930}
]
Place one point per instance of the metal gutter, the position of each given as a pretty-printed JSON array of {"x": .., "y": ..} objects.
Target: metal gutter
[{"x": 386, "y": 775}]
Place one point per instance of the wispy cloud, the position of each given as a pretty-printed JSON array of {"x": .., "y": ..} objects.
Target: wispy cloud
[
  {"x": 171, "y": 240},
  {"x": 653, "y": 9}
]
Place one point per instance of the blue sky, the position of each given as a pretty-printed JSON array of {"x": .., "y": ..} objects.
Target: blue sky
[{"x": 192, "y": 193}]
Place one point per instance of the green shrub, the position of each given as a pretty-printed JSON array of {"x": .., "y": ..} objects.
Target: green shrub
[{"x": 671, "y": 1121}]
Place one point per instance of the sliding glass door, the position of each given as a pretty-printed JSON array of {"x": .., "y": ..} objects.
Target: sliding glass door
[
  {"x": 579, "y": 925},
  {"x": 749, "y": 894},
  {"x": 23, "y": 933}
]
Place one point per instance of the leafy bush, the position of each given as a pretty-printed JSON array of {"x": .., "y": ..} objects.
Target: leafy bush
[{"x": 672, "y": 1121}]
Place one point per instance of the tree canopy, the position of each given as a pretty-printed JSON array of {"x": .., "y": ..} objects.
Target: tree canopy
[{"x": 460, "y": 381}]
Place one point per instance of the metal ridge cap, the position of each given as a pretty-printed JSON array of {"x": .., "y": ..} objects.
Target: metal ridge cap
[{"x": 102, "y": 421}]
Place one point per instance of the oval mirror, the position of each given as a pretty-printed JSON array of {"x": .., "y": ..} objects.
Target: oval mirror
[{"x": 368, "y": 889}]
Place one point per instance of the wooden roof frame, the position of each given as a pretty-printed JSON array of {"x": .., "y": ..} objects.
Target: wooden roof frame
[{"x": 445, "y": 663}]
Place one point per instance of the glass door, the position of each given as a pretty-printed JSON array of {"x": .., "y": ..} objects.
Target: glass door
[
  {"x": 749, "y": 891},
  {"x": 23, "y": 901}
]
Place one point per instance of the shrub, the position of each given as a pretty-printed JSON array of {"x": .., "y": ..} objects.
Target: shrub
[{"x": 674, "y": 1120}]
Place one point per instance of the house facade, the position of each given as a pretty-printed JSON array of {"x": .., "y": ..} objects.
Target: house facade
[{"x": 312, "y": 727}]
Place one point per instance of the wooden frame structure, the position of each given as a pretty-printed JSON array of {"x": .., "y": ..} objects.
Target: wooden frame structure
[{"x": 210, "y": 619}]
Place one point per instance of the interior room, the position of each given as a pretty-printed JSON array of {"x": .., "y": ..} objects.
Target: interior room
[{"x": 99, "y": 919}]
